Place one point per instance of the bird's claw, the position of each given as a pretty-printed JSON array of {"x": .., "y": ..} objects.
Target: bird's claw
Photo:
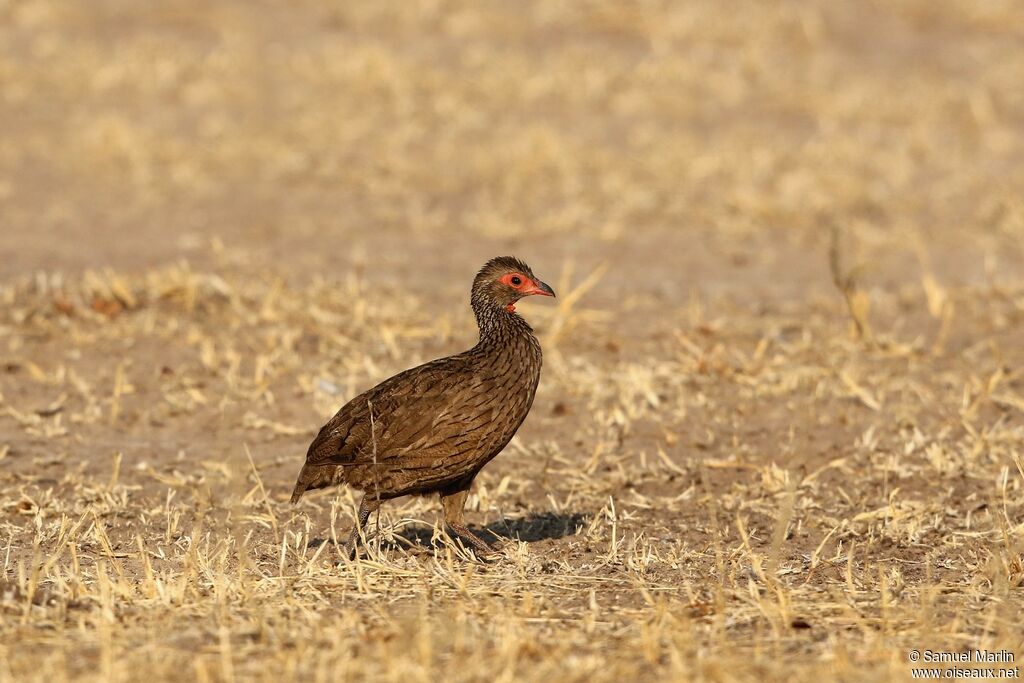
[
  {"x": 482, "y": 548},
  {"x": 349, "y": 550}
]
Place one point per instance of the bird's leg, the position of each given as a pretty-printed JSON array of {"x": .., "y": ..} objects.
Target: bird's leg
[
  {"x": 453, "y": 503},
  {"x": 367, "y": 506}
]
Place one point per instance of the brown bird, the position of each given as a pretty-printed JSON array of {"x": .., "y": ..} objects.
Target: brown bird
[{"x": 432, "y": 428}]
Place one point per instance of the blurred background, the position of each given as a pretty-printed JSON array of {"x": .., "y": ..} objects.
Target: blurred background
[
  {"x": 701, "y": 145},
  {"x": 787, "y": 241}
]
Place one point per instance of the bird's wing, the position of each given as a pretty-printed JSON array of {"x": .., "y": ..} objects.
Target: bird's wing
[{"x": 414, "y": 412}]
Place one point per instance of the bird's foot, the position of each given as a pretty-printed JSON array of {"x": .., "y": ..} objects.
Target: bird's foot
[
  {"x": 349, "y": 550},
  {"x": 481, "y": 547}
]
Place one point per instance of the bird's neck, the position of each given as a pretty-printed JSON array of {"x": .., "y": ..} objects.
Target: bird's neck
[{"x": 499, "y": 325}]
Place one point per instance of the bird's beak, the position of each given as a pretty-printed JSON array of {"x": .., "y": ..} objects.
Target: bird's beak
[{"x": 540, "y": 288}]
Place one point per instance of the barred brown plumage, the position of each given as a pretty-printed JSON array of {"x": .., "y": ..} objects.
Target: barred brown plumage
[{"x": 432, "y": 428}]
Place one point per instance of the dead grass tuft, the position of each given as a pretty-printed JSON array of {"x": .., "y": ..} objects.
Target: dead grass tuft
[{"x": 219, "y": 225}]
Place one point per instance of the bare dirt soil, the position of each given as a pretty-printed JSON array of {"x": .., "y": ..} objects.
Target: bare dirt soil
[{"x": 779, "y": 430}]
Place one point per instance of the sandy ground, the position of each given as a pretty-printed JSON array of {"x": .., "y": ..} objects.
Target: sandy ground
[{"x": 779, "y": 429}]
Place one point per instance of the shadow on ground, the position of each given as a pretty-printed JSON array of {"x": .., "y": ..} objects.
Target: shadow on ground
[
  {"x": 530, "y": 529},
  {"x": 539, "y": 527}
]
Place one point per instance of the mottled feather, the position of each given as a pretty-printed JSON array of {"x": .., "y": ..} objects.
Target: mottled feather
[{"x": 436, "y": 425}]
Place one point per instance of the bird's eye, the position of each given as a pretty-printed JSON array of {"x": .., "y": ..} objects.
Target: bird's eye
[{"x": 516, "y": 280}]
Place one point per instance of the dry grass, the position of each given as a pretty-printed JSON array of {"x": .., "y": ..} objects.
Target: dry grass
[{"x": 223, "y": 224}]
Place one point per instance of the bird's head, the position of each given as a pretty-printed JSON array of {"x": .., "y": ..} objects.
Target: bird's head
[{"x": 505, "y": 280}]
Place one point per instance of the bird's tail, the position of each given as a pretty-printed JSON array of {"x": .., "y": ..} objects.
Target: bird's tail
[
  {"x": 300, "y": 488},
  {"x": 316, "y": 477}
]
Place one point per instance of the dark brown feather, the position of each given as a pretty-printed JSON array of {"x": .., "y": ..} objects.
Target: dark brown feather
[{"x": 433, "y": 427}]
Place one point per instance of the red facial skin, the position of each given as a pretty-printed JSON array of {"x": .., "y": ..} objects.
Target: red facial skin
[{"x": 527, "y": 286}]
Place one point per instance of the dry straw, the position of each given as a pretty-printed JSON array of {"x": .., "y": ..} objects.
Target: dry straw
[{"x": 761, "y": 450}]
